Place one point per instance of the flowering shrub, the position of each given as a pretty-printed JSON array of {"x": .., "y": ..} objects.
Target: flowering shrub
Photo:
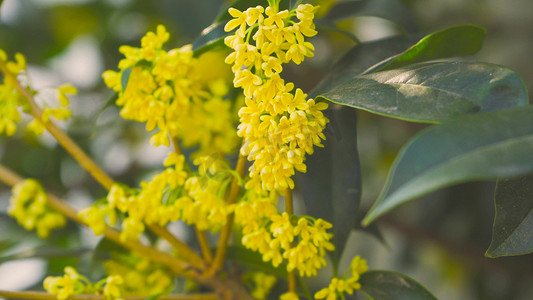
[{"x": 238, "y": 144}]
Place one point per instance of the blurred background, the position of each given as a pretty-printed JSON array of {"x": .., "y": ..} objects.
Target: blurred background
[{"x": 438, "y": 240}]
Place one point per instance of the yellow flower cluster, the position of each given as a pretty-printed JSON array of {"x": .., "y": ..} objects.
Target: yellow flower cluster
[
  {"x": 279, "y": 124},
  {"x": 303, "y": 245},
  {"x": 338, "y": 286},
  {"x": 170, "y": 196},
  {"x": 262, "y": 284},
  {"x": 28, "y": 206},
  {"x": 141, "y": 276},
  {"x": 165, "y": 90},
  {"x": 72, "y": 283},
  {"x": 59, "y": 113},
  {"x": 10, "y": 99}
]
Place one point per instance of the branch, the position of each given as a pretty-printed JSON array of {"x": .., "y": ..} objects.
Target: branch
[
  {"x": 226, "y": 230},
  {"x": 46, "y": 296},
  {"x": 227, "y": 288}
]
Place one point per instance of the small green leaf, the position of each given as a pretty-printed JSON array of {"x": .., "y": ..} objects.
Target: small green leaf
[
  {"x": 392, "y": 10},
  {"x": 461, "y": 40},
  {"x": 125, "y": 78},
  {"x": 331, "y": 187},
  {"x": 432, "y": 92},
  {"x": 386, "y": 285},
  {"x": 211, "y": 37},
  {"x": 513, "y": 224},
  {"x": 483, "y": 146}
]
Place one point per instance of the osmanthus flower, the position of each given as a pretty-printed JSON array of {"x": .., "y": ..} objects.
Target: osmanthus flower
[
  {"x": 141, "y": 276},
  {"x": 278, "y": 123},
  {"x": 72, "y": 283},
  {"x": 172, "y": 93},
  {"x": 12, "y": 102},
  {"x": 276, "y": 236},
  {"x": 28, "y": 205},
  {"x": 197, "y": 198},
  {"x": 340, "y": 286}
]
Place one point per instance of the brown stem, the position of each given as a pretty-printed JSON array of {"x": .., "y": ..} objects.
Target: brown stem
[
  {"x": 289, "y": 209},
  {"x": 226, "y": 230},
  {"x": 46, "y": 296},
  {"x": 202, "y": 239}
]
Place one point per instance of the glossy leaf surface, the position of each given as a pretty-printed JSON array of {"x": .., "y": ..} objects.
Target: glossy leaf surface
[
  {"x": 474, "y": 147},
  {"x": 432, "y": 92},
  {"x": 385, "y": 285},
  {"x": 513, "y": 223},
  {"x": 332, "y": 185}
]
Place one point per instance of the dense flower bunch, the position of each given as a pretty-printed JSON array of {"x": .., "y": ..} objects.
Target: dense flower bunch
[
  {"x": 274, "y": 236},
  {"x": 279, "y": 124},
  {"x": 72, "y": 283},
  {"x": 165, "y": 90},
  {"x": 28, "y": 206},
  {"x": 141, "y": 276},
  {"x": 169, "y": 196},
  {"x": 339, "y": 286}
]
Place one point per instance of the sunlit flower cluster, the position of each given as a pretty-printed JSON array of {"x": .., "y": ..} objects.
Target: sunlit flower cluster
[
  {"x": 166, "y": 90},
  {"x": 340, "y": 286},
  {"x": 72, "y": 283},
  {"x": 59, "y": 113},
  {"x": 10, "y": 98},
  {"x": 279, "y": 124},
  {"x": 299, "y": 241},
  {"x": 141, "y": 276},
  {"x": 171, "y": 195},
  {"x": 28, "y": 205}
]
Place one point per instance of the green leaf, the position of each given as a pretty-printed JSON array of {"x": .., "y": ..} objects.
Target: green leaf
[
  {"x": 513, "y": 224},
  {"x": 331, "y": 187},
  {"x": 461, "y": 40},
  {"x": 432, "y": 92},
  {"x": 483, "y": 146},
  {"x": 399, "y": 51},
  {"x": 125, "y": 78},
  {"x": 362, "y": 57},
  {"x": 386, "y": 285},
  {"x": 211, "y": 37},
  {"x": 392, "y": 10}
]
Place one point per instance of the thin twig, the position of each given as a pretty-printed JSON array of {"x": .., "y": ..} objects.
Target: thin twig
[
  {"x": 46, "y": 296},
  {"x": 289, "y": 209},
  {"x": 220, "y": 254}
]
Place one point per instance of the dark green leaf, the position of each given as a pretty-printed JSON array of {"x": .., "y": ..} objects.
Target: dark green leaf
[
  {"x": 386, "y": 285},
  {"x": 392, "y": 10},
  {"x": 432, "y": 92},
  {"x": 372, "y": 229},
  {"x": 400, "y": 51},
  {"x": 362, "y": 57},
  {"x": 513, "y": 223},
  {"x": 331, "y": 187},
  {"x": 125, "y": 78},
  {"x": 461, "y": 40},
  {"x": 45, "y": 252},
  {"x": 325, "y": 25},
  {"x": 211, "y": 37},
  {"x": 473, "y": 147}
]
